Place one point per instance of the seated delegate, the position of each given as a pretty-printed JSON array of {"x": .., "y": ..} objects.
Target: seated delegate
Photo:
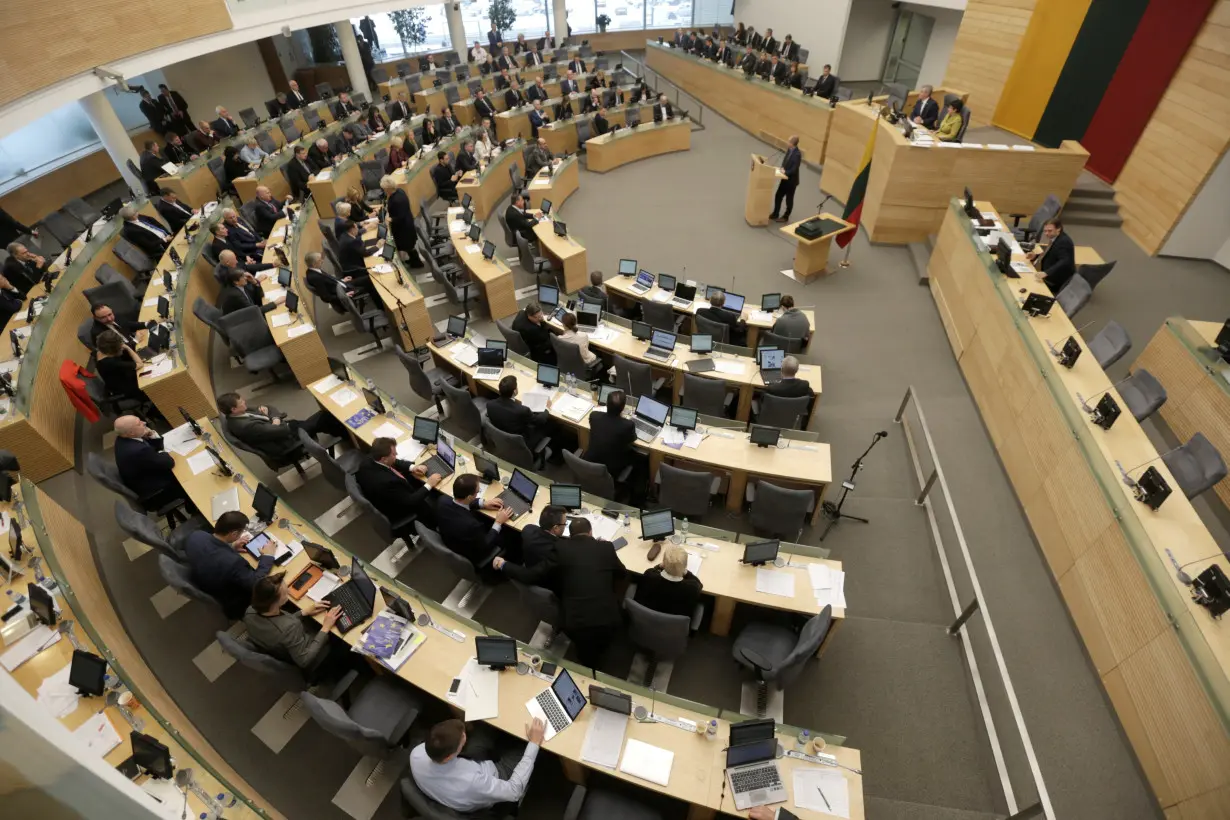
[
  {"x": 475, "y": 782},
  {"x": 284, "y": 634},
  {"x": 790, "y": 386},
  {"x": 1057, "y": 261},
  {"x": 394, "y": 486},
  {"x": 217, "y": 567},
  {"x": 950, "y": 127},
  {"x": 462, "y": 531},
  {"x": 508, "y": 414},
  {"x": 793, "y": 323},
  {"x": 531, "y": 324},
  {"x": 269, "y": 432},
  {"x": 144, "y": 467},
  {"x": 670, "y": 588}
]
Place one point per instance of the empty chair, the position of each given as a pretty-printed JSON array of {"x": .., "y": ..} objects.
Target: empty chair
[
  {"x": 1074, "y": 295},
  {"x": 287, "y": 676},
  {"x": 370, "y": 172},
  {"x": 84, "y": 212},
  {"x": 896, "y": 94},
  {"x": 216, "y": 166},
  {"x": 634, "y": 378},
  {"x": 1142, "y": 393},
  {"x": 584, "y": 131},
  {"x": 542, "y": 604},
  {"x": 514, "y": 448},
  {"x": 787, "y": 343},
  {"x": 291, "y": 132},
  {"x": 803, "y": 52},
  {"x": 142, "y": 528},
  {"x": 313, "y": 119},
  {"x": 706, "y": 395},
  {"x": 684, "y": 492},
  {"x": 208, "y": 314},
  {"x": 1048, "y": 210},
  {"x": 247, "y": 212},
  {"x": 785, "y": 413},
  {"x": 63, "y": 226},
  {"x": 776, "y": 654},
  {"x": 334, "y": 470},
  {"x": 510, "y": 238},
  {"x": 133, "y": 257},
  {"x": 388, "y": 529},
  {"x": 404, "y": 70},
  {"x": 780, "y": 511},
  {"x": 324, "y": 91},
  {"x": 633, "y": 117},
  {"x": 518, "y": 181},
  {"x": 594, "y": 478},
  {"x": 719, "y": 331},
  {"x": 464, "y": 419},
  {"x": 380, "y": 75},
  {"x": 376, "y": 722},
  {"x": 1110, "y": 345},
  {"x": 455, "y": 561},
  {"x": 474, "y": 86},
  {"x": 843, "y": 94},
  {"x": 659, "y": 314},
  {"x": 516, "y": 342},
  {"x": 1093, "y": 274},
  {"x": 371, "y": 320},
  {"x": 179, "y": 578},
  {"x": 248, "y": 115},
  {"x": 664, "y": 637},
  {"x": 425, "y": 386},
  {"x": 1196, "y": 465},
  {"x": 250, "y": 340},
  {"x": 452, "y": 94},
  {"x": 596, "y": 804},
  {"x": 265, "y": 140}
]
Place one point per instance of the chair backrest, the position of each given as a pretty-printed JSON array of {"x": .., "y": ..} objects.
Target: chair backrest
[
  {"x": 788, "y": 343},
  {"x": 105, "y": 473},
  {"x": 179, "y": 578},
  {"x": 132, "y": 256},
  {"x": 292, "y": 133},
  {"x": 633, "y": 117},
  {"x": 380, "y": 75},
  {"x": 780, "y": 511},
  {"x": 1110, "y": 345},
  {"x": 420, "y": 383},
  {"x": 1143, "y": 394},
  {"x": 784, "y": 412},
  {"x": 217, "y": 167},
  {"x": 803, "y": 56},
  {"x": 370, "y": 172},
  {"x": 117, "y": 297},
  {"x": 583, "y": 130},
  {"x": 247, "y": 330},
  {"x": 383, "y": 526},
  {"x": 464, "y": 418},
  {"x": 842, "y": 93},
  {"x": 330, "y": 716},
  {"x": 568, "y": 356},
  {"x": 634, "y": 378},
  {"x": 329, "y": 466},
  {"x": 510, "y": 238},
  {"x": 404, "y": 70},
  {"x": 508, "y": 446},
  {"x": 685, "y": 492},
  {"x": 1074, "y": 295},
  {"x": 83, "y": 332},
  {"x": 248, "y": 115},
  {"x": 703, "y": 394},
  {"x": 313, "y": 119},
  {"x": 897, "y": 93},
  {"x": 211, "y": 316},
  {"x": 594, "y": 478},
  {"x": 659, "y": 315},
  {"x": 452, "y": 94},
  {"x": 84, "y": 212},
  {"x": 542, "y": 603},
  {"x": 474, "y": 86},
  {"x": 266, "y": 142},
  {"x": 323, "y": 90},
  {"x": 810, "y": 637},
  {"x": 719, "y": 331},
  {"x": 1196, "y": 465},
  {"x": 414, "y": 83},
  {"x": 965, "y": 116},
  {"x": 1093, "y": 274},
  {"x": 142, "y": 528},
  {"x": 435, "y": 544},
  {"x": 1048, "y": 210},
  {"x": 286, "y": 674},
  {"x": 423, "y": 807},
  {"x": 663, "y": 636},
  {"x": 63, "y": 226},
  {"x": 516, "y": 342}
]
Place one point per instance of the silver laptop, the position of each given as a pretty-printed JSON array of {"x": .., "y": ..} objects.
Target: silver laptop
[
  {"x": 751, "y": 765},
  {"x": 643, "y": 282},
  {"x": 649, "y": 417},
  {"x": 558, "y": 706},
  {"x": 225, "y": 501},
  {"x": 661, "y": 346}
]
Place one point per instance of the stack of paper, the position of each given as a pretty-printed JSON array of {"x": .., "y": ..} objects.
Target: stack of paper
[
  {"x": 822, "y": 790},
  {"x": 36, "y": 640},
  {"x": 458, "y": 226},
  {"x": 473, "y": 248},
  {"x": 829, "y": 585},
  {"x": 774, "y": 582},
  {"x": 275, "y": 294},
  {"x": 160, "y": 369},
  {"x": 327, "y": 583},
  {"x": 573, "y": 407},
  {"x": 200, "y": 462},
  {"x": 465, "y": 354},
  {"x": 98, "y": 735},
  {"x": 760, "y": 316},
  {"x": 604, "y": 738},
  {"x": 56, "y": 695},
  {"x": 388, "y": 430},
  {"x": 326, "y": 384},
  {"x": 410, "y": 450},
  {"x": 344, "y": 396},
  {"x": 1023, "y": 148},
  {"x": 536, "y": 400},
  {"x": 603, "y": 334}
]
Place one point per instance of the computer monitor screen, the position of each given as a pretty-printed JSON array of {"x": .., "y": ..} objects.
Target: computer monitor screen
[
  {"x": 467, "y": 216},
  {"x": 663, "y": 339},
  {"x": 523, "y": 486},
  {"x": 764, "y": 436},
  {"x": 687, "y": 292},
  {"x": 14, "y": 538},
  {"x": 683, "y": 417},
  {"x": 388, "y": 252},
  {"x": 753, "y": 752},
  {"x": 760, "y": 552},
  {"x": 41, "y": 603},
  {"x": 588, "y": 319},
  {"x": 752, "y": 731},
  {"x": 373, "y": 400},
  {"x": 498, "y": 344},
  {"x": 456, "y": 326},
  {"x": 548, "y": 375},
  {"x": 546, "y": 207},
  {"x": 642, "y": 331},
  {"x": 446, "y": 453},
  {"x": 657, "y": 525},
  {"x": 88, "y": 673},
  {"x": 561, "y": 229},
  {"x": 645, "y": 279},
  {"x": 292, "y": 301},
  {"x": 491, "y": 357},
  {"x": 425, "y": 430},
  {"x": 770, "y": 301},
  {"x": 610, "y": 699},
  {"x": 652, "y": 409},
  {"x": 567, "y": 496},
  {"x": 476, "y": 232},
  {"x": 151, "y": 755},
  {"x": 495, "y": 652},
  {"x": 548, "y": 295},
  {"x": 713, "y": 290},
  {"x": 570, "y": 697},
  {"x": 284, "y": 277},
  {"x": 666, "y": 281},
  {"x": 702, "y": 343},
  {"x": 488, "y": 250},
  {"x": 604, "y": 391},
  {"x": 466, "y": 200},
  {"x": 627, "y": 267},
  {"x": 734, "y": 302},
  {"x": 264, "y": 502},
  {"x": 770, "y": 358}
]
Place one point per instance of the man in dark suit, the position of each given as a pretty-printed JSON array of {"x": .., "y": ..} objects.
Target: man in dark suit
[
  {"x": 538, "y": 540},
  {"x": 600, "y": 122},
  {"x": 325, "y": 285},
  {"x": 749, "y": 61},
  {"x": 569, "y": 84},
  {"x": 513, "y": 97},
  {"x": 790, "y": 49},
  {"x": 344, "y": 107},
  {"x": 537, "y": 119},
  {"x": 397, "y": 488},
  {"x": 224, "y": 126},
  {"x": 176, "y": 108},
  {"x": 494, "y": 39},
  {"x": 537, "y": 92},
  {"x": 239, "y": 289},
  {"x": 147, "y": 233},
  {"x": 791, "y": 163},
  {"x": 532, "y": 57},
  {"x": 176, "y": 151},
  {"x": 319, "y": 157},
  {"x": 298, "y": 172},
  {"x": 247, "y": 259},
  {"x": 507, "y": 414},
  {"x": 926, "y": 110},
  {"x": 770, "y": 42},
  {"x": 461, "y": 530},
  {"x": 219, "y": 569},
  {"x": 23, "y": 268},
  {"x": 105, "y": 319},
  {"x": 295, "y": 97},
  {"x": 532, "y": 325},
  {"x": 151, "y": 167},
  {"x": 172, "y": 210},
  {"x": 507, "y": 60},
  {"x": 679, "y": 37},
  {"x": 723, "y": 54},
  {"x": 267, "y": 212},
  {"x": 611, "y": 436},
  {"x": 143, "y": 466},
  {"x": 504, "y": 80},
  {"x": 445, "y": 178},
  {"x": 271, "y": 433},
  {"x": 281, "y": 105},
  {"x": 662, "y": 110},
  {"x": 351, "y": 252},
  {"x": 466, "y": 160},
  {"x": 716, "y": 313},
  {"x": 399, "y": 109},
  {"x": 826, "y": 83},
  {"x": 790, "y": 386},
  {"x": 1057, "y": 263},
  {"x": 589, "y": 579},
  {"x": 447, "y": 124},
  {"x": 775, "y": 70},
  {"x": 483, "y": 106},
  {"x": 157, "y": 116},
  {"x": 577, "y": 65},
  {"x": 241, "y": 235}
]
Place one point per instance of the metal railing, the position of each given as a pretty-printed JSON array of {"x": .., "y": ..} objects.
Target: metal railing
[
  {"x": 977, "y": 635},
  {"x": 694, "y": 107}
]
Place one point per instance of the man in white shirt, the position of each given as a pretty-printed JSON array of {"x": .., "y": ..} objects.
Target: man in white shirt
[
  {"x": 252, "y": 153},
  {"x": 478, "y": 54},
  {"x": 465, "y": 784}
]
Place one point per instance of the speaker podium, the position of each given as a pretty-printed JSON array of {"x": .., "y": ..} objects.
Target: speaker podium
[
  {"x": 761, "y": 181},
  {"x": 811, "y": 256}
]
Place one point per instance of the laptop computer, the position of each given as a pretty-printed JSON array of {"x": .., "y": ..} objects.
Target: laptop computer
[
  {"x": 683, "y": 418},
  {"x": 548, "y": 295},
  {"x": 490, "y": 362},
  {"x": 588, "y": 318},
  {"x": 751, "y": 767},
  {"x": 701, "y": 343},
  {"x": 685, "y": 295},
  {"x": 734, "y": 302},
  {"x": 559, "y": 706},
  {"x": 520, "y": 494},
  {"x": 649, "y": 417},
  {"x": 644, "y": 281},
  {"x": 356, "y": 597},
  {"x": 444, "y": 462},
  {"x": 769, "y": 360},
  {"x": 661, "y": 345},
  {"x": 225, "y": 501}
]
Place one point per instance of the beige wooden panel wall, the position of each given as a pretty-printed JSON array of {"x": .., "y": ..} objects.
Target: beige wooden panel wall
[
  {"x": 45, "y": 41},
  {"x": 1183, "y": 142},
  {"x": 984, "y": 51}
]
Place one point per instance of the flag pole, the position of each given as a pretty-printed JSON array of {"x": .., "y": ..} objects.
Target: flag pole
[{"x": 845, "y": 262}]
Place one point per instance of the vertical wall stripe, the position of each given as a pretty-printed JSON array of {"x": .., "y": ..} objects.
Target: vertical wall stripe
[
  {"x": 1104, "y": 36},
  {"x": 1048, "y": 40},
  {"x": 1153, "y": 56}
]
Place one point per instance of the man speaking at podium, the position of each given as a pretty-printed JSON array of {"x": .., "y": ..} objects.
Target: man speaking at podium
[{"x": 785, "y": 188}]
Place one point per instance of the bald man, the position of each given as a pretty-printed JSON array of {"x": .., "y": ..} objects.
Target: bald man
[
  {"x": 318, "y": 156},
  {"x": 144, "y": 467},
  {"x": 243, "y": 237},
  {"x": 268, "y": 211}
]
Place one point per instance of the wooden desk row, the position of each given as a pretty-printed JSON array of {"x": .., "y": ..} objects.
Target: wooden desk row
[
  {"x": 650, "y": 139},
  {"x": 1165, "y": 663},
  {"x": 697, "y": 774},
  {"x": 561, "y": 135}
]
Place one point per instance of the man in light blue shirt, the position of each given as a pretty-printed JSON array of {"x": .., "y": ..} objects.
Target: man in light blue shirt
[
  {"x": 464, "y": 784},
  {"x": 252, "y": 153}
]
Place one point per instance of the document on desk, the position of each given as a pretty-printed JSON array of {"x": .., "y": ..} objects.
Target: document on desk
[
  {"x": 344, "y": 397},
  {"x": 181, "y": 440},
  {"x": 160, "y": 369},
  {"x": 481, "y": 691},
  {"x": 695, "y": 560},
  {"x": 731, "y": 368},
  {"x": 327, "y": 583},
  {"x": 775, "y": 582},
  {"x": 200, "y": 462},
  {"x": 602, "y": 334},
  {"x": 605, "y": 738},
  {"x": 388, "y": 430},
  {"x": 56, "y": 695},
  {"x": 1023, "y": 148},
  {"x": 822, "y": 790},
  {"x": 1022, "y": 267},
  {"x": 647, "y": 762},
  {"x": 36, "y": 640},
  {"x": 604, "y": 527},
  {"x": 573, "y": 407},
  {"x": 281, "y": 320},
  {"x": 410, "y": 450},
  {"x": 301, "y": 330},
  {"x": 465, "y": 353},
  {"x": 762, "y": 317},
  {"x": 835, "y": 593},
  {"x": 326, "y": 384},
  {"x": 151, "y": 302},
  {"x": 536, "y": 400},
  {"x": 98, "y": 734}
]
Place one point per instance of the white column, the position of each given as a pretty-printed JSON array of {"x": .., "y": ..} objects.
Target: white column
[
  {"x": 114, "y": 138},
  {"x": 354, "y": 62},
  {"x": 559, "y": 22},
  {"x": 456, "y": 29}
]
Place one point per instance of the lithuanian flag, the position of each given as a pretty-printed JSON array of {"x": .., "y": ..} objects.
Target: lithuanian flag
[{"x": 858, "y": 191}]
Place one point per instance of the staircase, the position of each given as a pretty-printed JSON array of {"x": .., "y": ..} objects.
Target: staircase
[{"x": 1092, "y": 202}]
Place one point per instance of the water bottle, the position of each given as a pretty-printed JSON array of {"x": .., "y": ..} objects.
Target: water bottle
[
  {"x": 684, "y": 529},
  {"x": 711, "y": 730},
  {"x": 804, "y": 739}
]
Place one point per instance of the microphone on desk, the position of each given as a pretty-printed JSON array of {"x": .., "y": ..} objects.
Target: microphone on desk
[
  {"x": 1183, "y": 577},
  {"x": 1126, "y": 474},
  {"x": 1085, "y": 403}
]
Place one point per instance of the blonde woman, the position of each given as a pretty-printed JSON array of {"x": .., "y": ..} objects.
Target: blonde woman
[
  {"x": 358, "y": 208},
  {"x": 670, "y": 588}
]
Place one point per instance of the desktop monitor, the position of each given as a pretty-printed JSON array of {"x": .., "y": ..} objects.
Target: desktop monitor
[
  {"x": 467, "y": 216},
  {"x": 263, "y": 503},
  {"x": 683, "y": 418},
  {"x": 567, "y": 496},
  {"x": 763, "y": 436},
  {"x": 546, "y": 207},
  {"x": 548, "y": 295},
  {"x": 425, "y": 430},
  {"x": 663, "y": 339},
  {"x": 456, "y": 326},
  {"x": 666, "y": 281},
  {"x": 657, "y": 525},
  {"x": 702, "y": 343},
  {"x": 284, "y": 277},
  {"x": 770, "y": 358},
  {"x": 760, "y": 552},
  {"x": 466, "y": 199},
  {"x": 168, "y": 282},
  {"x": 734, "y": 302},
  {"x": 1003, "y": 255},
  {"x": 488, "y": 250},
  {"x": 605, "y": 391},
  {"x": 770, "y": 302},
  {"x": 292, "y": 301},
  {"x": 41, "y": 603},
  {"x": 152, "y": 756},
  {"x": 1038, "y": 304},
  {"x": 88, "y": 673},
  {"x": 476, "y": 232},
  {"x": 627, "y": 267},
  {"x": 388, "y": 252},
  {"x": 561, "y": 229},
  {"x": 642, "y": 331},
  {"x": 548, "y": 375}
]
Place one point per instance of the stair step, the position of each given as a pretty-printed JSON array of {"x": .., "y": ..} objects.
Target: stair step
[
  {"x": 1093, "y": 193},
  {"x": 1102, "y": 206},
  {"x": 1095, "y": 220}
]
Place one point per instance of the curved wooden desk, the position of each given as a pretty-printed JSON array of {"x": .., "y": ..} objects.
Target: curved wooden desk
[
  {"x": 562, "y": 183},
  {"x": 561, "y": 135},
  {"x": 493, "y": 276},
  {"x": 616, "y": 148},
  {"x": 196, "y": 184},
  {"x": 492, "y": 182},
  {"x": 401, "y": 296},
  {"x": 566, "y": 251}
]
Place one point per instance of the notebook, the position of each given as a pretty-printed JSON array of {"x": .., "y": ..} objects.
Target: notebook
[{"x": 647, "y": 762}]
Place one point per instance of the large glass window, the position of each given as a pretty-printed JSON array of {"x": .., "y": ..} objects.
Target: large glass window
[
  {"x": 708, "y": 12},
  {"x": 668, "y": 13},
  {"x": 533, "y": 18},
  {"x": 582, "y": 16},
  {"x": 625, "y": 15},
  {"x": 391, "y": 46}
]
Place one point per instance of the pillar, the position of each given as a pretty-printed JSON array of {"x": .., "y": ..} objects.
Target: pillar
[
  {"x": 559, "y": 21},
  {"x": 114, "y": 137},
  {"x": 456, "y": 29},
  {"x": 354, "y": 62}
]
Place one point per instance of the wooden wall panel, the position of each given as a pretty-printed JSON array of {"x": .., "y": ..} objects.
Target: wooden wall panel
[
  {"x": 984, "y": 51},
  {"x": 1183, "y": 142},
  {"x": 41, "y": 43}
]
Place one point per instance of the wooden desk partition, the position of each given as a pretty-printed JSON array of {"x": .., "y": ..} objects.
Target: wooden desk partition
[
  {"x": 761, "y": 183},
  {"x": 649, "y": 139},
  {"x": 297, "y": 336},
  {"x": 1162, "y": 659},
  {"x": 492, "y": 183},
  {"x": 561, "y": 184},
  {"x": 567, "y": 252},
  {"x": 561, "y": 135}
]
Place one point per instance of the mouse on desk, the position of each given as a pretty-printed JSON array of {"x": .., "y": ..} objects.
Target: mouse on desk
[{"x": 1024, "y": 290}]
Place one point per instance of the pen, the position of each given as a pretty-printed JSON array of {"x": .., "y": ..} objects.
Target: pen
[{"x": 825, "y": 799}]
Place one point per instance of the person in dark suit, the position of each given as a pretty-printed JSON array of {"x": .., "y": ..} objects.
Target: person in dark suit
[
  {"x": 319, "y": 157},
  {"x": 151, "y": 167},
  {"x": 145, "y": 232},
  {"x": 247, "y": 258},
  {"x": 401, "y": 221},
  {"x": 662, "y": 110},
  {"x": 267, "y": 212},
  {"x": 344, "y": 107},
  {"x": 159, "y": 121},
  {"x": 106, "y": 320},
  {"x": 507, "y": 414},
  {"x": 521, "y": 46},
  {"x": 172, "y": 210},
  {"x": 201, "y": 138},
  {"x": 775, "y": 70},
  {"x": 669, "y": 587},
  {"x": 242, "y": 236},
  {"x": 926, "y": 110},
  {"x": 298, "y": 172},
  {"x": 537, "y": 92},
  {"x": 11, "y": 301},
  {"x": 538, "y": 540},
  {"x": 431, "y": 134},
  {"x": 483, "y": 107},
  {"x": 117, "y": 364},
  {"x": 281, "y": 105},
  {"x": 537, "y": 119},
  {"x": 351, "y": 252},
  {"x": 400, "y": 108},
  {"x": 826, "y": 83},
  {"x": 494, "y": 39},
  {"x": 577, "y": 65},
  {"x": 466, "y": 160},
  {"x": 532, "y": 57},
  {"x": 395, "y": 487},
  {"x": 224, "y": 126},
  {"x": 507, "y": 60},
  {"x": 217, "y": 567},
  {"x": 532, "y": 325},
  {"x": 790, "y": 386},
  {"x": 789, "y": 49},
  {"x": 448, "y": 124},
  {"x": 600, "y": 122},
  {"x": 461, "y": 530},
  {"x": 24, "y": 268},
  {"x": 724, "y": 54},
  {"x": 295, "y": 97},
  {"x": 791, "y": 163},
  {"x": 794, "y": 77},
  {"x": 569, "y": 85},
  {"x": 240, "y": 289},
  {"x": 589, "y": 580},
  {"x": 233, "y": 166},
  {"x": 611, "y": 436},
  {"x": 504, "y": 80},
  {"x": 271, "y": 433},
  {"x": 177, "y": 109},
  {"x": 324, "y": 285},
  {"x": 143, "y": 466},
  {"x": 176, "y": 151},
  {"x": 1057, "y": 262},
  {"x": 445, "y": 178},
  {"x": 716, "y": 313},
  {"x": 513, "y": 97},
  {"x": 749, "y": 62}
]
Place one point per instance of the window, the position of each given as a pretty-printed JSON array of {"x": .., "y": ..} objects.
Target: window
[
  {"x": 708, "y": 12},
  {"x": 668, "y": 14},
  {"x": 626, "y": 15},
  {"x": 391, "y": 47},
  {"x": 533, "y": 18},
  {"x": 582, "y": 16}
]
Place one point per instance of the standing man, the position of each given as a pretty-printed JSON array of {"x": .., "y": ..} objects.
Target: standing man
[
  {"x": 157, "y": 116},
  {"x": 826, "y": 83},
  {"x": 177, "y": 110},
  {"x": 494, "y": 38},
  {"x": 151, "y": 167},
  {"x": 786, "y": 188}
]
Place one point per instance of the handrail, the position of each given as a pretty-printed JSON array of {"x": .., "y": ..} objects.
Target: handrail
[
  {"x": 644, "y": 71},
  {"x": 964, "y": 613}
]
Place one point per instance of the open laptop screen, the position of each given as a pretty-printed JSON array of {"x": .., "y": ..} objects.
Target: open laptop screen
[
  {"x": 570, "y": 697},
  {"x": 751, "y": 753}
]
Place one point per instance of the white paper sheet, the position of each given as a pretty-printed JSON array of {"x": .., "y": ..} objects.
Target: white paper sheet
[
  {"x": 573, "y": 407},
  {"x": 465, "y": 353},
  {"x": 200, "y": 462},
  {"x": 820, "y": 575},
  {"x": 695, "y": 560},
  {"x": 822, "y": 790},
  {"x": 604, "y": 738},
  {"x": 36, "y": 640},
  {"x": 835, "y": 594},
  {"x": 732, "y": 368},
  {"x": 98, "y": 735},
  {"x": 481, "y": 688},
  {"x": 345, "y": 396},
  {"x": 760, "y": 317},
  {"x": 281, "y": 320},
  {"x": 536, "y": 400},
  {"x": 56, "y": 695},
  {"x": 153, "y": 302},
  {"x": 647, "y": 762},
  {"x": 774, "y": 582},
  {"x": 181, "y": 440},
  {"x": 388, "y": 430},
  {"x": 1023, "y": 148},
  {"x": 275, "y": 294},
  {"x": 410, "y": 450},
  {"x": 300, "y": 330},
  {"x": 160, "y": 369},
  {"x": 327, "y": 583},
  {"x": 326, "y": 384}
]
